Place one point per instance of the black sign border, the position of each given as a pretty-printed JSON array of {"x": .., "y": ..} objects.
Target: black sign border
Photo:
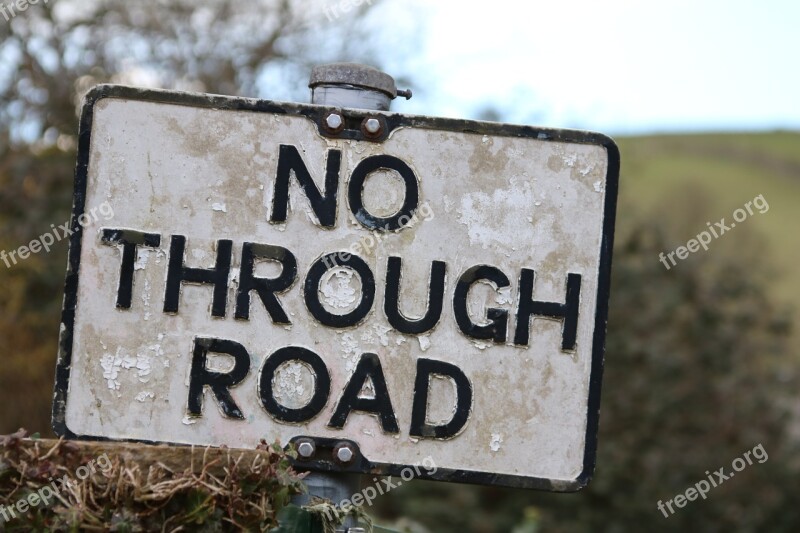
[{"x": 394, "y": 120}]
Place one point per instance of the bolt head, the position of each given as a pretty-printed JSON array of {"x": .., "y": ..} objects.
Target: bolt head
[
  {"x": 334, "y": 121},
  {"x": 305, "y": 449},
  {"x": 372, "y": 125},
  {"x": 344, "y": 453}
]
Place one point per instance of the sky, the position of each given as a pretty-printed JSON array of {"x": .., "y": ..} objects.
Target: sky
[{"x": 619, "y": 66}]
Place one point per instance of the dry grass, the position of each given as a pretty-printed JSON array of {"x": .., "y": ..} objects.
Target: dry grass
[{"x": 216, "y": 490}]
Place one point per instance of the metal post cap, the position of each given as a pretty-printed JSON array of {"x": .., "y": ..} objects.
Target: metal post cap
[{"x": 353, "y": 74}]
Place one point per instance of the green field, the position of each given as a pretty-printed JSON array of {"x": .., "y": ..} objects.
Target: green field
[{"x": 728, "y": 170}]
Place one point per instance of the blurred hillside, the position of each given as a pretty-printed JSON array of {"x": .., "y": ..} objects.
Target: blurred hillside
[
  {"x": 727, "y": 170},
  {"x": 731, "y": 169}
]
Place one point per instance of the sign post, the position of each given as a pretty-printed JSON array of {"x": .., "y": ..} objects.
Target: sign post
[
  {"x": 390, "y": 293},
  {"x": 343, "y": 85}
]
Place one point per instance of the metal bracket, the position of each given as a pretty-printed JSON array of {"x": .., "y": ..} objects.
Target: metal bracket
[
  {"x": 328, "y": 455},
  {"x": 355, "y": 124}
]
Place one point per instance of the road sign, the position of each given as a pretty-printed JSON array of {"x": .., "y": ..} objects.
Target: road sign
[{"x": 404, "y": 287}]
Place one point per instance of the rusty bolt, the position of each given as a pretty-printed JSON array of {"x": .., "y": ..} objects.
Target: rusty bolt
[
  {"x": 372, "y": 127},
  {"x": 333, "y": 122},
  {"x": 343, "y": 453},
  {"x": 305, "y": 449}
]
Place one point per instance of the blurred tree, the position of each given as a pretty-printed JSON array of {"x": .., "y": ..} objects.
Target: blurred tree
[
  {"x": 50, "y": 55},
  {"x": 35, "y": 191},
  {"x": 697, "y": 373},
  {"x": 53, "y": 53}
]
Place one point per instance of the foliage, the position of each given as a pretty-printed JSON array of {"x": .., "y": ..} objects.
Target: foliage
[
  {"x": 57, "y": 51},
  {"x": 34, "y": 193}
]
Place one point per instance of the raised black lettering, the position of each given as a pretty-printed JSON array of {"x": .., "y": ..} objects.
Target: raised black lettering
[
  {"x": 264, "y": 287},
  {"x": 368, "y": 368},
  {"x": 130, "y": 241},
  {"x": 435, "y": 292},
  {"x": 568, "y": 311},
  {"x": 498, "y": 318},
  {"x": 419, "y": 414},
  {"x": 177, "y": 274},
  {"x": 311, "y": 290},
  {"x": 323, "y": 205},
  {"x": 322, "y": 385},
  {"x": 355, "y": 192},
  {"x": 200, "y": 376}
]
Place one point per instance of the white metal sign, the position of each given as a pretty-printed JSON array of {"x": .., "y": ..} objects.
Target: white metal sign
[{"x": 436, "y": 289}]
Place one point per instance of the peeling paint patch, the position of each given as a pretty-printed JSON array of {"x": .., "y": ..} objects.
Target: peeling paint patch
[
  {"x": 142, "y": 257},
  {"x": 504, "y": 296},
  {"x": 424, "y": 342},
  {"x": 349, "y": 351},
  {"x": 337, "y": 290},
  {"x": 233, "y": 276},
  {"x": 349, "y": 344},
  {"x": 143, "y": 367},
  {"x": 219, "y": 206},
  {"x": 497, "y": 440},
  {"x": 570, "y": 159},
  {"x": 448, "y": 204},
  {"x": 188, "y": 421},
  {"x": 144, "y": 395},
  {"x": 382, "y": 333},
  {"x": 293, "y": 384},
  {"x": 146, "y": 294},
  {"x": 111, "y": 366}
]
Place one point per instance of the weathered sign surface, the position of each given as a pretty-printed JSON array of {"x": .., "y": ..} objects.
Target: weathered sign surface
[{"x": 439, "y": 291}]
